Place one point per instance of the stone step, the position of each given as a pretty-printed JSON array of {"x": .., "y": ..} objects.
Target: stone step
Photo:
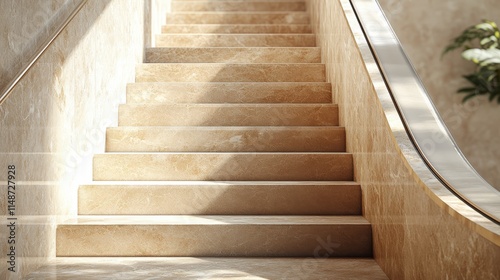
[
  {"x": 229, "y": 93},
  {"x": 228, "y": 115},
  {"x": 240, "y": 0},
  {"x": 211, "y": 268},
  {"x": 223, "y": 167},
  {"x": 235, "y": 40},
  {"x": 220, "y": 198},
  {"x": 225, "y": 139},
  {"x": 237, "y": 28},
  {"x": 198, "y": 6},
  {"x": 238, "y": 18},
  {"x": 233, "y": 55},
  {"x": 215, "y": 236},
  {"x": 219, "y": 72}
]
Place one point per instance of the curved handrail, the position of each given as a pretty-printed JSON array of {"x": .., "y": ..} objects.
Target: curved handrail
[
  {"x": 10, "y": 87},
  {"x": 422, "y": 122}
]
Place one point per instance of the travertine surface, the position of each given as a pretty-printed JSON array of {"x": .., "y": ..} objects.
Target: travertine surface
[
  {"x": 210, "y": 268},
  {"x": 52, "y": 123},
  {"x": 216, "y": 236},
  {"x": 235, "y": 40},
  {"x": 225, "y": 139},
  {"x": 24, "y": 27},
  {"x": 223, "y": 166},
  {"x": 229, "y": 93},
  {"x": 238, "y": 18},
  {"x": 219, "y": 72},
  {"x": 234, "y": 55},
  {"x": 228, "y": 115},
  {"x": 221, "y": 198},
  {"x": 236, "y": 28},
  {"x": 420, "y": 229},
  {"x": 179, "y": 6},
  {"x": 425, "y": 28}
]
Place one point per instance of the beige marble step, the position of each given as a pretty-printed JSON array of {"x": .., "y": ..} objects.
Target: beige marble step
[
  {"x": 228, "y": 115},
  {"x": 237, "y": 28},
  {"x": 229, "y": 93},
  {"x": 235, "y": 40},
  {"x": 238, "y": 18},
  {"x": 219, "y": 72},
  {"x": 237, "y": 6},
  {"x": 220, "y": 198},
  {"x": 223, "y": 167},
  {"x": 215, "y": 236},
  {"x": 130, "y": 268},
  {"x": 225, "y": 139},
  {"x": 233, "y": 55}
]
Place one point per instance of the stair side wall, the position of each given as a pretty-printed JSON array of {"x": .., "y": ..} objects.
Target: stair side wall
[
  {"x": 420, "y": 230},
  {"x": 55, "y": 120}
]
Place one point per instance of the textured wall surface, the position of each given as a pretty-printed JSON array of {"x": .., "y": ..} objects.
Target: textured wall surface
[
  {"x": 424, "y": 28},
  {"x": 56, "y": 117},
  {"x": 420, "y": 230},
  {"x": 25, "y": 25}
]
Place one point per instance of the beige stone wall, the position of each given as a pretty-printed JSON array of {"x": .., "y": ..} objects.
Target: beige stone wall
[
  {"x": 420, "y": 229},
  {"x": 25, "y": 25},
  {"x": 55, "y": 119},
  {"x": 424, "y": 28}
]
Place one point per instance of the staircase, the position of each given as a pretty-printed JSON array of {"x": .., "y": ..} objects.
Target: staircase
[{"x": 229, "y": 145}]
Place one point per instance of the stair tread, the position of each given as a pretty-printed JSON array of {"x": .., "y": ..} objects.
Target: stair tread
[
  {"x": 238, "y": 24},
  {"x": 236, "y": 28},
  {"x": 230, "y": 72},
  {"x": 236, "y": 40},
  {"x": 238, "y": 17},
  {"x": 220, "y": 199},
  {"x": 218, "y": 183},
  {"x": 99, "y": 268},
  {"x": 221, "y": 153},
  {"x": 242, "y": 128},
  {"x": 234, "y": 105},
  {"x": 225, "y": 139},
  {"x": 241, "y": 12},
  {"x": 160, "y": 49},
  {"x": 237, "y": 6},
  {"x": 132, "y": 220},
  {"x": 231, "y": 64}
]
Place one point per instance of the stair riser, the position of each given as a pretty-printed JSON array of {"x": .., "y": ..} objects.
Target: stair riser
[
  {"x": 223, "y": 167},
  {"x": 129, "y": 139},
  {"x": 238, "y": 6},
  {"x": 235, "y": 40},
  {"x": 233, "y": 55},
  {"x": 220, "y": 200},
  {"x": 229, "y": 93},
  {"x": 230, "y": 73},
  {"x": 215, "y": 240},
  {"x": 235, "y": 28},
  {"x": 237, "y": 18},
  {"x": 213, "y": 115}
]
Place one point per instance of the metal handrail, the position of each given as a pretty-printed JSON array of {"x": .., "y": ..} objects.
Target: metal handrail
[
  {"x": 10, "y": 87},
  {"x": 422, "y": 122}
]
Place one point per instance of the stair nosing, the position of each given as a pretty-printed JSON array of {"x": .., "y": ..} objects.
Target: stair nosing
[
  {"x": 208, "y": 220},
  {"x": 336, "y": 127},
  {"x": 219, "y": 183}
]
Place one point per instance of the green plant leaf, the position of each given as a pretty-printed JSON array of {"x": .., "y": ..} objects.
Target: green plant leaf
[
  {"x": 484, "y": 57},
  {"x": 481, "y": 45}
]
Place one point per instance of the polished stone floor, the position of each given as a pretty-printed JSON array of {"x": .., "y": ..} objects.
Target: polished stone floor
[{"x": 208, "y": 268}]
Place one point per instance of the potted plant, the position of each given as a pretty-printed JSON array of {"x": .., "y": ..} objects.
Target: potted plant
[{"x": 481, "y": 45}]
